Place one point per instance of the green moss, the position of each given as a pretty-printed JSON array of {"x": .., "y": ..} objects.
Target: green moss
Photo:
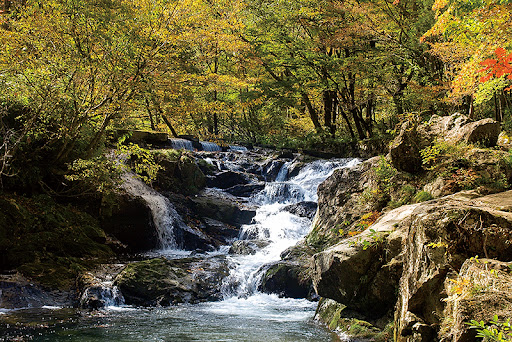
[
  {"x": 47, "y": 241},
  {"x": 422, "y": 196}
]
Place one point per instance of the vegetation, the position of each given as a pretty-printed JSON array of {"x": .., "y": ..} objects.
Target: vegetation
[{"x": 288, "y": 73}]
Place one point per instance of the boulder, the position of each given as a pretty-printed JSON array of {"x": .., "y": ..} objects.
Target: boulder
[
  {"x": 405, "y": 149},
  {"x": 247, "y": 247},
  {"x": 302, "y": 209},
  {"x": 96, "y": 287},
  {"x": 222, "y": 208},
  {"x": 139, "y": 136},
  {"x": 271, "y": 169},
  {"x": 130, "y": 221},
  {"x": 220, "y": 231},
  {"x": 227, "y": 179},
  {"x": 166, "y": 282},
  {"x": 179, "y": 174},
  {"x": 286, "y": 279},
  {"x": 245, "y": 190}
]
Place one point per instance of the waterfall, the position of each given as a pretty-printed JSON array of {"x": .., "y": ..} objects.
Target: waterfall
[
  {"x": 101, "y": 295},
  {"x": 210, "y": 146},
  {"x": 165, "y": 216},
  {"x": 181, "y": 144},
  {"x": 236, "y": 148},
  {"x": 280, "y": 227}
]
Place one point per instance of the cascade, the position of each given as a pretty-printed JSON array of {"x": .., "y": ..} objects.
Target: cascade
[
  {"x": 271, "y": 222},
  {"x": 165, "y": 216},
  {"x": 181, "y": 144},
  {"x": 210, "y": 146},
  {"x": 236, "y": 148}
]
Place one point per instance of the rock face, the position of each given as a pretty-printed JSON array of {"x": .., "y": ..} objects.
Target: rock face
[
  {"x": 441, "y": 236},
  {"x": 405, "y": 149},
  {"x": 362, "y": 272},
  {"x": 165, "y": 282},
  {"x": 410, "y": 256},
  {"x": 131, "y": 222},
  {"x": 247, "y": 247}
]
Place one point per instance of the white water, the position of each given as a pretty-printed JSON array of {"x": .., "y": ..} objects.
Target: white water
[
  {"x": 181, "y": 144},
  {"x": 282, "y": 228},
  {"x": 210, "y": 146},
  {"x": 165, "y": 217}
]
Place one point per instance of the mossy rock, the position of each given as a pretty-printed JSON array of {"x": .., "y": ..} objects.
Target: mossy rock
[
  {"x": 332, "y": 314},
  {"x": 47, "y": 241}
]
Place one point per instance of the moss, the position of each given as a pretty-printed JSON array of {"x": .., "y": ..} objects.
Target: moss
[
  {"x": 47, "y": 241},
  {"x": 422, "y": 196}
]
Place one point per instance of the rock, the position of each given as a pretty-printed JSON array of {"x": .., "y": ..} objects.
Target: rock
[
  {"x": 18, "y": 292},
  {"x": 130, "y": 221},
  {"x": 96, "y": 288},
  {"x": 285, "y": 278},
  {"x": 165, "y": 282},
  {"x": 405, "y": 149},
  {"x": 362, "y": 272},
  {"x": 441, "y": 236},
  {"x": 335, "y": 316},
  {"x": 302, "y": 209},
  {"x": 484, "y": 131},
  {"x": 247, "y": 247},
  {"x": 219, "y": 230},
  {"x": 504, "y": 141},
  {"x": 222, "y": 208},
  {"x": 181, "y": 175},
  {"x": 271, "y": 169},
  {"x": 245, "y": 190},
  {"x": 481, "y": 289},
  {"x": 227, "y": 179},
  {"x": 340, "y": 201}
]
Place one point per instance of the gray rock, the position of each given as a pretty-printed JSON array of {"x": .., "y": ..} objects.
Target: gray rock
[
  {"x": 302, "y": 209},
  {"x": 286, "y": 278},
  {"x": 247, "y": 247},
  {"x": 166, "y": 282}
]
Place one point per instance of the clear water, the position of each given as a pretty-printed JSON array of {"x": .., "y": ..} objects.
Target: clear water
[
  {"x": 244, "y": 314},
  {"x": 255, "y": 319}
]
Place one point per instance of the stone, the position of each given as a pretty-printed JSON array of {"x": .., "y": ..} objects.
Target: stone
[
  {"x": 245, "y": 190},
  {"x": 405, "y": 149},
  {"x": 485, "y": 132},
  {"x": 166, "y": 282},
  {"x": 302, "y": 209},
  {"x": 138, "y": 136},
  {"x": 285, "y": 278},
  {"x": 227, "y": 179},
  {"x": 247, "y": 247}
]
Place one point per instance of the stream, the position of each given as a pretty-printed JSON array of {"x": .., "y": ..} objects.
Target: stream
[{"x": 244, "y": 313}]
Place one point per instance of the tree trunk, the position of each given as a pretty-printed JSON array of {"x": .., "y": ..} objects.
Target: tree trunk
[{"x": 312, "y": 112}]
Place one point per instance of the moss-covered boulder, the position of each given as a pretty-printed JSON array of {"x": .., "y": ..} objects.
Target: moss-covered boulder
[
  {"x": 287, "y": 279},
  {"x": 165, "y": 282},
  {"x": 47, "y": 241}
]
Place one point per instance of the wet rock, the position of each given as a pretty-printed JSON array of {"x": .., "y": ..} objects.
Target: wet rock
[
  {"x": 271, "y": 169},
  {"x": 18, "y": 292},
  {"x": 245, "y": 190},
  {"x": 138, "y": 136},
  {"x": 285, "y": 278},
  {"x": 227, "y": 179},
  {"x": 219, "y": 230},
  {"x": 97, "y": 290},
  {"x": 220, "y": 207},
  {"x": 166, "y": 282},
  {"x": 302, "y": 209},
  {"x": 247, "y": 247}
]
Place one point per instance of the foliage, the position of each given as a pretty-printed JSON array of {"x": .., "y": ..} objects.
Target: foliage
[
  {"x": 422, "y": 196},
  {"x": 495, "y": 330}
]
